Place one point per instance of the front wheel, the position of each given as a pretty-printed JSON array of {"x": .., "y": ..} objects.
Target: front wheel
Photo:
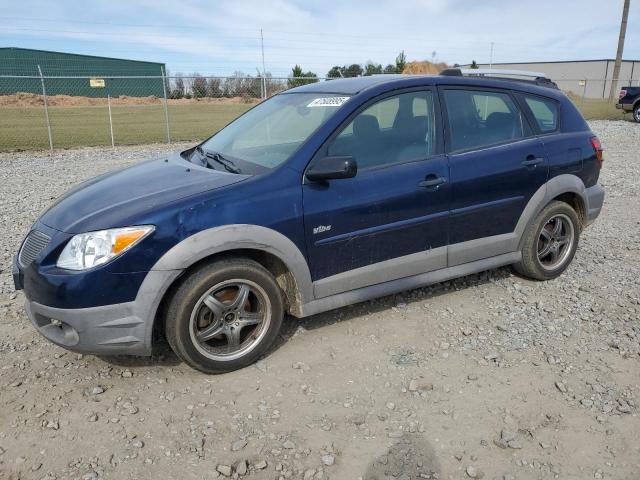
[
  {"x": 550, "y": 242},
  {"x": 224, "y": 315}
]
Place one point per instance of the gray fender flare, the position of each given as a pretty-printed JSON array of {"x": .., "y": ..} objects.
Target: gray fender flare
[
  {"x": 565, "y": 183},
  {"x": 218, "y": 240},
  {"x": 241, "y": 236}
]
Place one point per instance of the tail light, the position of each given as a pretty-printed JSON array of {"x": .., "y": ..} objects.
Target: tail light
[
  {"x": 622, "y": 94},
  {"x": 597, "y": 148}
]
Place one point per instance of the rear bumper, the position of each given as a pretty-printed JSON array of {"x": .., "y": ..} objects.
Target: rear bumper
[
  {"x": 594, "y": 197},
  {"x": 627, "y": 107}
]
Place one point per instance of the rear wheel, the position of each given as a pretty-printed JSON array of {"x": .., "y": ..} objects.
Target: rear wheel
[
  {"x": 550, "y": 242},
  {"x": 636, "y": 113},
  {"x": 224, "y": 315}
]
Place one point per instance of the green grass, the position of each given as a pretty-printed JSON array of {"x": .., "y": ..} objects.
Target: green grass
[
  {"x": 598, "y": 109},
  {"x": 25, "y": 128}
]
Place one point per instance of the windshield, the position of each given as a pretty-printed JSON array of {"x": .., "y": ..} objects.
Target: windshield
[{"x": 270, "y": 133}]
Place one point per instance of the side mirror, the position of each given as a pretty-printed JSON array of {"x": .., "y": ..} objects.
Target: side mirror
[{"x": 331, "y": 168}]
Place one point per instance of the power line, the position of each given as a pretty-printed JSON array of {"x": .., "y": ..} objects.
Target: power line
[{"x": 190, "y": 27}]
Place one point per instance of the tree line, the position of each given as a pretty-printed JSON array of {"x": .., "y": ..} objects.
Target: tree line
[
  {"x": 248, "y": 86},
  {"x": 239, "y": 84},
  {"x": 298, "y": 77}
]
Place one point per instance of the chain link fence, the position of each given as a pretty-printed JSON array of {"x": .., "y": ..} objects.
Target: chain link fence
[{"x": 48, "y": 112}]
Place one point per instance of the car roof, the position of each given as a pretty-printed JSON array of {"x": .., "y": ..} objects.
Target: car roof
[{"x": 355, "y": 85}]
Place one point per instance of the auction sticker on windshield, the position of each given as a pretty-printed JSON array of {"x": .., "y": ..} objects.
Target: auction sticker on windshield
[{"x": 328, "y": 102}]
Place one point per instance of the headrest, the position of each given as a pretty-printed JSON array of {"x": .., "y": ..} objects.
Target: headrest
[
  {"x": 417, "y": 131},
  {"x": 366, "y": 126},
  {"x": 500, "y": 119}
]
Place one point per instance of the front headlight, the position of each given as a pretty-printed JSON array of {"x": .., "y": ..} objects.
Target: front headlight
[{"x": 91, "y": 249}]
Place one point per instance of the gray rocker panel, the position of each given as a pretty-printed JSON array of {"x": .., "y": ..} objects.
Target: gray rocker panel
[
  {"x": 406, "y": 283},
  {"x": 385, "y": 271}
]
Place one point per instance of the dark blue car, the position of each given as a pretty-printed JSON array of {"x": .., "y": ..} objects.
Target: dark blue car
[{"x": 322, "y": 196}]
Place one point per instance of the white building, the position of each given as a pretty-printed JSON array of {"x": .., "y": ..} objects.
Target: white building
[{"x": 591, "y": 78}]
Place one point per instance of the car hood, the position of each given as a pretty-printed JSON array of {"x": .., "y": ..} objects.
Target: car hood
[{"x": 113, "y": 198}]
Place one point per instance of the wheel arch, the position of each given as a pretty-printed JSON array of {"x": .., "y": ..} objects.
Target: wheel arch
[
  {"x": 566, "y": 187},
  {"x": 278, "y": 254},
  {"x": 576, "y": 202},
  {"x": 271, "y": 249}
]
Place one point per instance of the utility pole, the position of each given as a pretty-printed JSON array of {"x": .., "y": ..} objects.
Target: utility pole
[
  {"x": 486, "y": 99},
  {"x": 491, "y": 57},
  {"x": 264, "y": 70},
  {"x": 616, "y": 67},
  {"x": 46, "y": 109}
]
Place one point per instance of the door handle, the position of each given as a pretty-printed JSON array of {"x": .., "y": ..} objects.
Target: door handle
[
  {"x": 532, "y": 161},
  {"x": 431, "y": 181}
]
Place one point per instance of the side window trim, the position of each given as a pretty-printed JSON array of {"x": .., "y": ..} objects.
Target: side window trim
[
  {"x": 528, "y": 129},
  {"x": 438, "y": 127},
  {"x": 522, "y": 103}
]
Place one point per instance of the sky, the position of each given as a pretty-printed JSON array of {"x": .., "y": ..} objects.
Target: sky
[{"x": 220, "y": 37}]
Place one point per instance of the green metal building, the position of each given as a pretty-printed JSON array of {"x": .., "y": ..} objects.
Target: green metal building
[{"x": 99, "y": 73}]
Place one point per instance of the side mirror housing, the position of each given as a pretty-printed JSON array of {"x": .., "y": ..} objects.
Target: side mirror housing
[{"x": 332, "y": 168}]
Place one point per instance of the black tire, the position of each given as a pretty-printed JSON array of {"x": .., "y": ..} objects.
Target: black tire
[
  {"x": 636, "y": 113},
  {"x": 187, "y": 310},
  {"x": 534, "y": 242}
]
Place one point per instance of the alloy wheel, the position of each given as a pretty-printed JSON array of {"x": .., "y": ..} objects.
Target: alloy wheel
[
  {"x": 555, "y": 242},
  {"x": 230, "y": 319}
]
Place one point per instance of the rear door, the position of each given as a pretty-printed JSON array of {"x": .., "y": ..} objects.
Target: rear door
[
  {"x": 564, "y": 152},
  {"x": 496, "y": 166},
  {"x": 390, "y": 220}
]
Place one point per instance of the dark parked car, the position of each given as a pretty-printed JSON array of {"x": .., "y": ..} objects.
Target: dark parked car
[
  {"x": 322, "y": 196},
  {"x": 629, "y": 101}
]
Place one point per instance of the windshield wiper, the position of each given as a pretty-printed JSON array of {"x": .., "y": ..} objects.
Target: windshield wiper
[
  {"x": 200, "y": 150},
  {"x": 222, "y": 160},
  {"x": 217, "y": 157},
  {"x": 201, "y": 155}
]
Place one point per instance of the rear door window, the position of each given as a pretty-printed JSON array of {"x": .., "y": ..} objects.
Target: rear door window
[
  {"x": 544, "y": 111},
  {"x": 481, "y": 118}
]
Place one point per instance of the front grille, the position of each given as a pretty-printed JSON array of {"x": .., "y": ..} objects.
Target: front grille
[{"x": 34, "y": 244}]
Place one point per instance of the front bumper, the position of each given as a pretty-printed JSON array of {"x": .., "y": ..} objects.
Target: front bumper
[
  {"x": 110, "y": 329},
  {"x": 18, "y": 277},
  {"x": 118, "y": 329}
]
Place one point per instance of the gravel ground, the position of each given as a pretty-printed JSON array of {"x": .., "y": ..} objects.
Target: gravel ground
[{"x": 487, "y": 376}]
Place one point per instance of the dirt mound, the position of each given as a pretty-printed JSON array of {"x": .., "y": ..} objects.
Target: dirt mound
[
  {"x": 21, "y": 99},
  {"x": 424, "y": 67},
  {"x": 24, "y": 99}
]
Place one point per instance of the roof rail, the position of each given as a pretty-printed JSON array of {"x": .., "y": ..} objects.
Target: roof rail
[
  {"x": 538, "y": 78},
  {"x": 494, "y": 71}
]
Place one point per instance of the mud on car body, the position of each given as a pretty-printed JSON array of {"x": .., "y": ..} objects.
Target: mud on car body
[{"x": 322, "y": 196}]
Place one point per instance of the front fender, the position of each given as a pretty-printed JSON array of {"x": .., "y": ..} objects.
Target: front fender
[{"x": 240, "y": 236}]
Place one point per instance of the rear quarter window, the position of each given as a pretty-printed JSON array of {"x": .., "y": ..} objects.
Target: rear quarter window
[{"x": 544, "y": 111}]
